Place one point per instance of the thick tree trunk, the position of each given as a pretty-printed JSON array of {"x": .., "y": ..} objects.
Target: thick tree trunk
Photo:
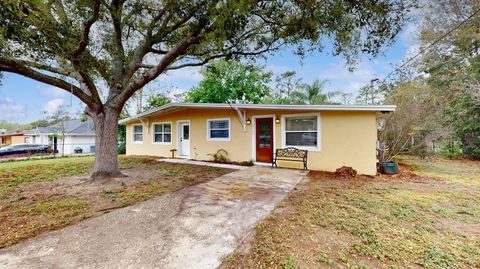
[{"x": 106, "y": 164}]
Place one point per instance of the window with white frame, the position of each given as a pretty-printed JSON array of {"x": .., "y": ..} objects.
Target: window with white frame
[
  {"x": 218, "y": 129},
  {"x": 137, "y": 133},
  {"x": 301, "y": 131},
  {"x": 162, "y": 133}
]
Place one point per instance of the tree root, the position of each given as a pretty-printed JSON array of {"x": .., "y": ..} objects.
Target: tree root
[{"x": 103, "y": 177}]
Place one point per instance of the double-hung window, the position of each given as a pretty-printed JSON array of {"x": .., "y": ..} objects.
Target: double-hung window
[
  {"x": 302, "y": 131},
  {"x": 138, "y": 133},
  {"x": 162, "y": 133},
  {"x": 218, "y": 129}
]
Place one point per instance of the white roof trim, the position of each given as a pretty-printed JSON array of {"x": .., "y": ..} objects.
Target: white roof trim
[{"x": 176, "y": 106}]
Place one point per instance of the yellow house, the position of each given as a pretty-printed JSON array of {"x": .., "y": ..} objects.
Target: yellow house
[
  {"x": 11, "y": 138},
  {"x": 334, "y": 135}
]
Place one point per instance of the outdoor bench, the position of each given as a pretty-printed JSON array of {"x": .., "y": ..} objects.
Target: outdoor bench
[{"x": 290, "y": 154}]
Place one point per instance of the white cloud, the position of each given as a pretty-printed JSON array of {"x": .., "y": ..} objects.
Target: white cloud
[
  {"x": 342, "y": 79},
  {"x": 53, "y": 105},
  {"x": 10, "y": 110}
]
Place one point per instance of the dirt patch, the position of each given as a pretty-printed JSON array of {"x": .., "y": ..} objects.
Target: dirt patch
[
  {"x": 324, "y": 175},
  {"x": 346, "y": 171},
  {"x": 31, "y": 207},
  {"x": 471, "y": 229},
  {"x": 406, "y": 220}
]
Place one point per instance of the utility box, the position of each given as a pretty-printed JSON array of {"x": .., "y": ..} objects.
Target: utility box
[{"x": 390, "y": 167}]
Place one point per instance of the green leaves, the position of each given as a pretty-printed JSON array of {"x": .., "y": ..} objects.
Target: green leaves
[
  {"x": 110, "y": 42},
  {"x": 230, "y": 81},
  {"x": 156, "y": 100}
]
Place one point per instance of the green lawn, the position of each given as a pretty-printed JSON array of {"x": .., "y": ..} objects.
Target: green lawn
[
  {"x": 41, "y": 195},
  {"x": 428, "y": 219}
]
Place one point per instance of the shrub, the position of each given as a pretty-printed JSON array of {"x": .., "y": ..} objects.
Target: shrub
[
  {"x": 221, "y": 156},
  {"x": 450, "y": 150},
  {"x": 472, "y": 151},
  {"x": 121, "y": 148}
]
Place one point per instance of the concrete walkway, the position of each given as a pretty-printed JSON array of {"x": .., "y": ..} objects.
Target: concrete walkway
[{"x": 193, "y": 228}]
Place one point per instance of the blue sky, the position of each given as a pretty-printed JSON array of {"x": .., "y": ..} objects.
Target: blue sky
[{"x": 23, "y": 100}]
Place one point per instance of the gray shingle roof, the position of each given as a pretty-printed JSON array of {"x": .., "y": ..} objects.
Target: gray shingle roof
[{"x": 71, "y": 127}]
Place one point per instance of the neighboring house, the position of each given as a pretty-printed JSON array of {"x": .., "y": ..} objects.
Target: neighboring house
[
  {"x": 334, "y": 135},
  {"x": 11, "y": 138},
  {"x": 78, "y": 134}
]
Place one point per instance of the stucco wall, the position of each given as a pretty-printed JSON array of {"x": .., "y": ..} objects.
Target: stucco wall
[{"x": 346, "y": 138}]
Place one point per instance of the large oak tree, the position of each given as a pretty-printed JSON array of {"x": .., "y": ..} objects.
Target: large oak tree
[{"x": 103, "y": 51}]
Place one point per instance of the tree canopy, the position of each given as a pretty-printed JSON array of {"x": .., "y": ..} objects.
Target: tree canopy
[
  {"x": 156, "y": 100},
  {"x": 230, "y": 81},
  {"x": 453, "y": 66},
  {"x": 105, "y": 51},
  {"x": 439, "y": 95}
]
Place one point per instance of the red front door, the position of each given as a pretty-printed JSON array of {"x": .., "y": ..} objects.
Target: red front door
[{"x": 264, "y": 140}]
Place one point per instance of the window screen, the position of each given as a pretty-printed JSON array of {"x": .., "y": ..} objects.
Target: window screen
[
  {"x": 301, "y": 131},
  {"x": 219, "y": 129}
]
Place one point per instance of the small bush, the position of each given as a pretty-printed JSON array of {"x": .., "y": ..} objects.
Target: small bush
[
  {"x": 473, "y": 151},
  {"x": 221, "y": 156},
  {"x": 450, "y": 150}
]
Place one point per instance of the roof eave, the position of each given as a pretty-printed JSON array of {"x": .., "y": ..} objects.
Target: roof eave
[{"x": 372, "y": 108}]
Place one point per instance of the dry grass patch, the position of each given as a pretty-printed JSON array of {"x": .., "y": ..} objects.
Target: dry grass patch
[
  {"x": 42, "y": 195},
  {"x": 382, "y": 222}
]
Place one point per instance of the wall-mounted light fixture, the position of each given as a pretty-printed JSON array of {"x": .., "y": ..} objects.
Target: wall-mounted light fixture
[
  {"x": 277, "y": 119},
  {"x": 249, "y": 121}
]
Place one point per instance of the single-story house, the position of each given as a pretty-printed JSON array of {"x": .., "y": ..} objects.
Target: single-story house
[
  {"x": 334, "y": 135},
  {"x": 78, "y": 134},
  {"x": 11, "y": 138}
]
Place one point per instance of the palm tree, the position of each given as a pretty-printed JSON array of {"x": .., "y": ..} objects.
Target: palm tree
[{"x": 313, "y": 93}]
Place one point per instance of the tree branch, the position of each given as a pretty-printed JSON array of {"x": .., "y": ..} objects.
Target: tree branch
[
  {"x": 158, "y": 51},
  {"x": 119, "y": 57},
  {"x": 13, "y": 66},
  {"x": 44, "y": 67},
  {"x": 180, "y": 48},
  {"x": 86, "y": 31},
  {"x": 229, "y": 54},
  {"x": 90, "y": 85},
  {"x": 150, "y": 40}
]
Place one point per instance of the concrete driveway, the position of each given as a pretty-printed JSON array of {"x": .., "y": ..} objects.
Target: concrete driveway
[{"x": 193, "y": 228}]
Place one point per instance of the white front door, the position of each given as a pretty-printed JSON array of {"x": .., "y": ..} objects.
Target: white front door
[{"x": 184, "y": 139}]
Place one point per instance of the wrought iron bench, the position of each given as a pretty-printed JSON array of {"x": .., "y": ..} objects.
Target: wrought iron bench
[{"x": 290, "y": 154}]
